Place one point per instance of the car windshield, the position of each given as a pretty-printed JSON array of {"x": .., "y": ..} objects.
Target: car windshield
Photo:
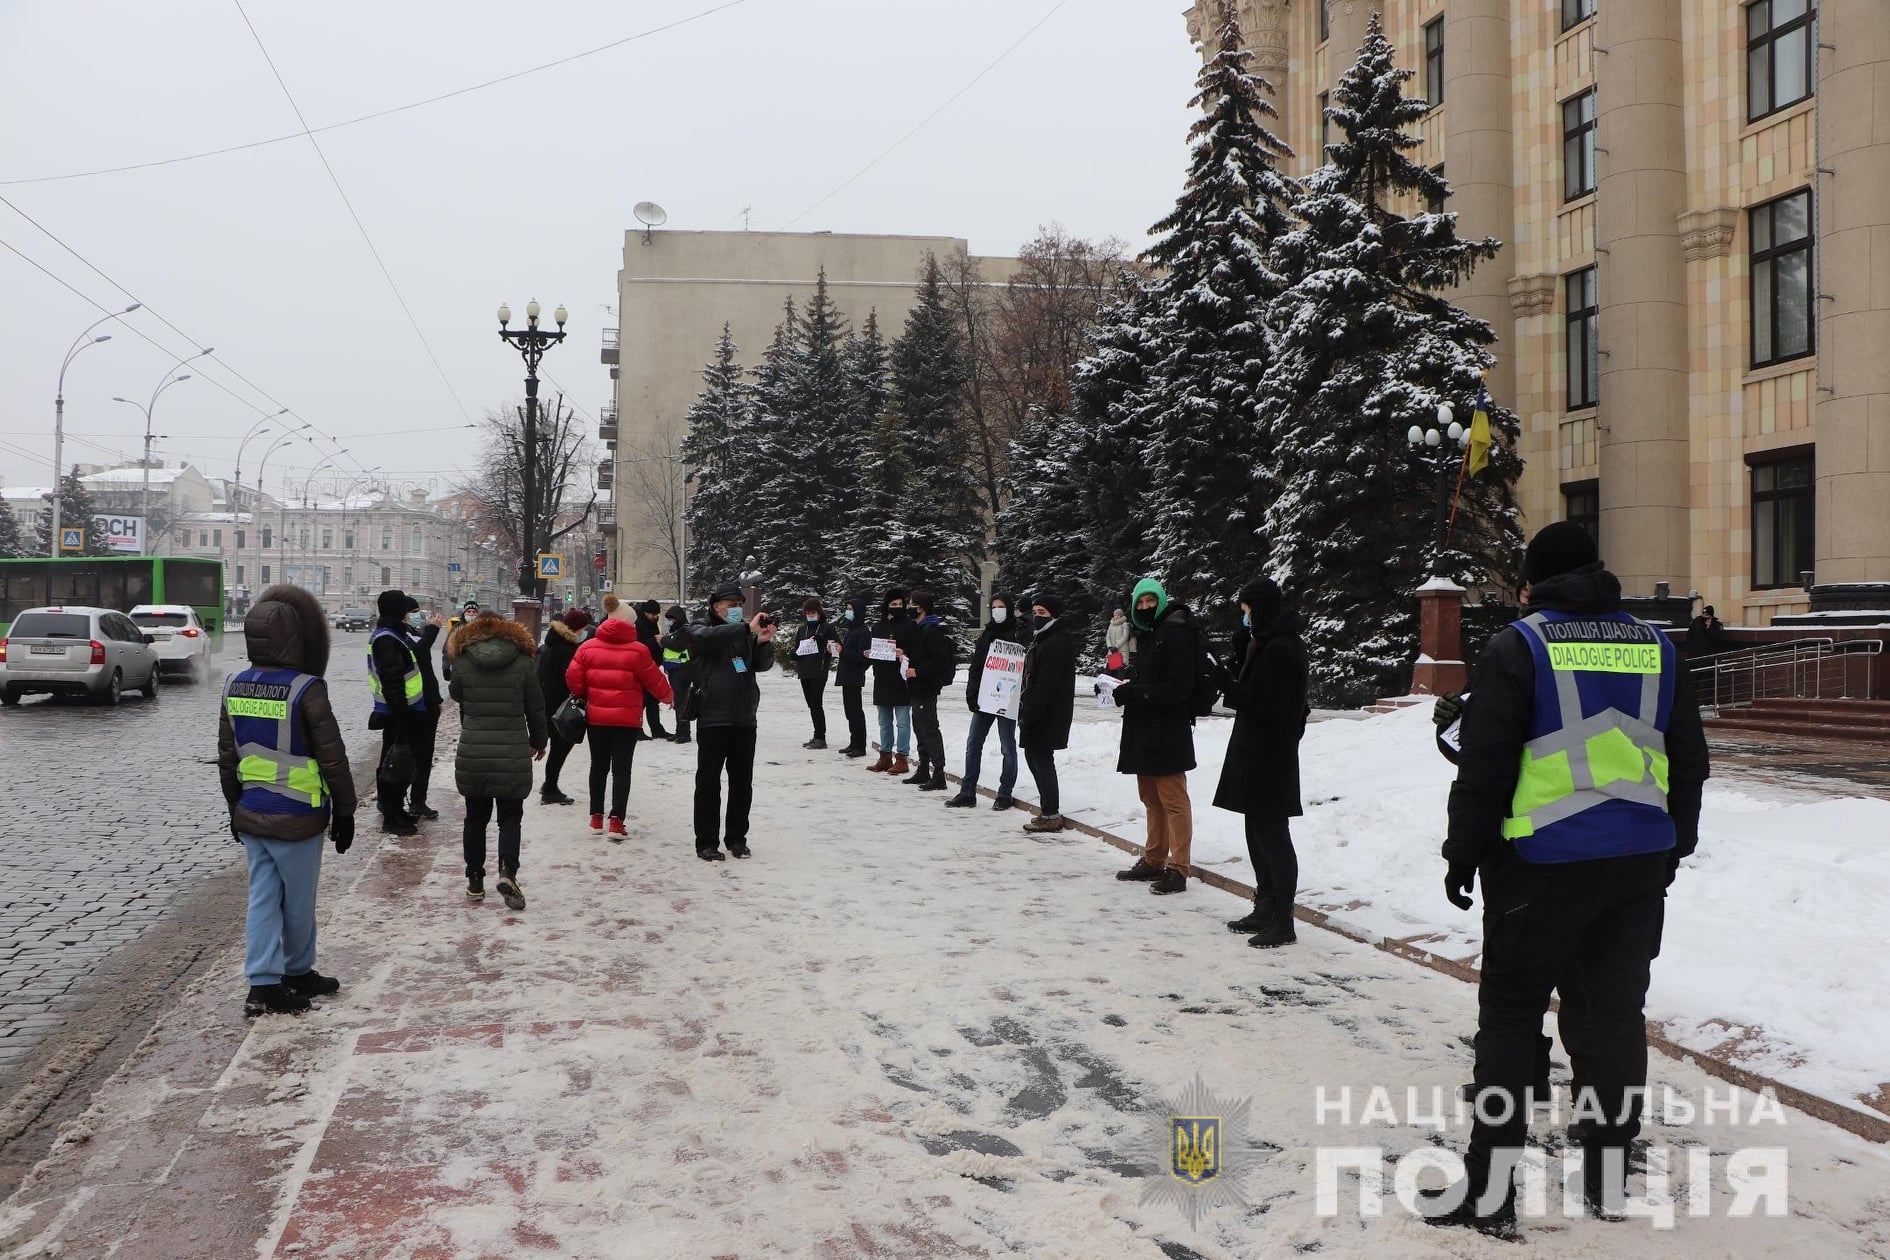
[
  {"x": 45, "y": 625},
  {"x": 161, "y": 618}
]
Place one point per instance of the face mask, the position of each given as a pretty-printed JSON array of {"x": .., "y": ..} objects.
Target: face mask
[
  {"x": 1042, "y": 620},
  {"x": 1000, "y": 615},
  {"x": 848, "y": 614},
  {"x": 416, "y": 620},
  {"x": 895, "y": 614},
  {"x": 1246, "y": 619},
  {"x": 733, "y": 616},
  {"x": 812, "y": 618}
]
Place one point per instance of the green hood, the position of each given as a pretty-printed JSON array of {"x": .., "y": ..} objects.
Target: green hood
[{"x": 1147, "y": 586}]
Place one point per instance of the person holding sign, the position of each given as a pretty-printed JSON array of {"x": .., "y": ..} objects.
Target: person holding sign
[
  {"x": 997, "y": 672},
  {"x": 931, "y": 662},
  {"x": 1046, "y": 704},
  {"x": 890, "y": 697},
  {"x": 811, "y": 656},
  {"x": 851, "y": 674}
]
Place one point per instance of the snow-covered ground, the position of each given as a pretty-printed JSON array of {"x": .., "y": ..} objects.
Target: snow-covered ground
[{"x": 1774, "y": 954}]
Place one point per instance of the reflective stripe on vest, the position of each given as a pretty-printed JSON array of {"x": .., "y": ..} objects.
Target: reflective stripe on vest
[
  {"x": 272, "y": 769},
  {"x": 672, "y": 657},
  {"x": 1575, "y": 764},
  {"x": 410, "y": 681}
]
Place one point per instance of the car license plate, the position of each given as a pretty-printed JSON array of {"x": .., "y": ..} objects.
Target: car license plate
[
  {"x": 160, "y": 637},
  {"x": 46, "y": 649}
]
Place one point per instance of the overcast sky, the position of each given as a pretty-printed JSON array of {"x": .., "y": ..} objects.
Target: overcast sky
[{"x": 517, "y": 190}]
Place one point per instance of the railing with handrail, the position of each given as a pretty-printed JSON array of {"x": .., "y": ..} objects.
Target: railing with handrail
[{"x": 1803, "y": 669}]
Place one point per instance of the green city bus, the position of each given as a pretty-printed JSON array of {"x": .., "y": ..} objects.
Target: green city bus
[{"x": 120, "y": 582}]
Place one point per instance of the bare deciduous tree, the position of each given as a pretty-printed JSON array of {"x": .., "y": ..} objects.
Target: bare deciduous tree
[
  {"x": 653, "y": 495},
  {"x": 563, "y": 472}
]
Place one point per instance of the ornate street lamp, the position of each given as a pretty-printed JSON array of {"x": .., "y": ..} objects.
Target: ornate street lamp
[
  {"x": 1429, "y": 445},
  {"x": 531, "y": 342}
]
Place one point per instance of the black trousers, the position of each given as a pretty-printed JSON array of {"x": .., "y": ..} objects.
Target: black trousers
[
  {"x": 719, "y": 748},
  {"x": 1592, "y": 928},
  {"x": 926, "y": 734},
  {"x": 472, "y": 836},
  {"x": 1043, "y": 769},
  {"x": 853, "y": 701},
  {"x": 653, "y": 717},
  {"x": 682, "y": 692},
  {"x": 554, "y": 760},
  {"x": 613, "y": 749},
  {"x": 426, "y": 729},
  {"x": 1275, "y": 865},
  {"x": 390, "y": 796},
  {"x": 814, "y": 691}
]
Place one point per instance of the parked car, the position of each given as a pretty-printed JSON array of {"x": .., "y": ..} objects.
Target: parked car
[
  {"x": 179, "y": 639},
  {"x": 354, "y": 619},
  {"x": 76, "y": 651}
]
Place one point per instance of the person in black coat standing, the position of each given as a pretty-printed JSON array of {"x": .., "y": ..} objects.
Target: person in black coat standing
[
  {"x": 681, "y": 668},
  {"x": 1046, "y": 706},
  {"x": 1003, "y": 626},
  {"x": 398, "y": 716},
  {"x": 728, "y": 653},
  {"x": 1260, "y": 774},
  {"x": 812, "y": 661},
  {"x": 423, "y": 631},
  {"x": 650, "y": 635},
  {"x": 931, "y": 661},
  {"x": 850, "y": 676},
  {"x": 1158, "y": 733},
  {"x": 563, "y": 634},
  {"x": 891, "y": 698}
]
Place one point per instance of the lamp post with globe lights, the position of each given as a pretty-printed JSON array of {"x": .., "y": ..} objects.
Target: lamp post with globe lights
[
  {"x": 84, "y": 341},
  {"x": 531, "y": 342},
  {"x": 1438, "y": 448}
]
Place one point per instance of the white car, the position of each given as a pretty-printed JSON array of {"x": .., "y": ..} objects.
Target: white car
[{"x": 177, "y": 636}]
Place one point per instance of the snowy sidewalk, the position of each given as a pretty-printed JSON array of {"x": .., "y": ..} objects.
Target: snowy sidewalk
[{"x": 896, "y": 1032}]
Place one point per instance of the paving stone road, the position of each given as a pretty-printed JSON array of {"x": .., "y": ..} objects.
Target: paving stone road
[{"x": 110, "y": 817}]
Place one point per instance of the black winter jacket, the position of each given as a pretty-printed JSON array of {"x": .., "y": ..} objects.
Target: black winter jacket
[
  {"x": 853, "y": 648},
  {"x": 1014, "y": 629},
  {"x": 1497, "y": 718},
  {"x": 392, "y": 655},
  {"x": 1047, "y": 704},
  {"x": 1260, "y": 774},
  {"x": 1158, "y": 699},
  {"x": 933, "y": 658},
  {"x": 730, "y": 696},
  {"x": 817, "y": 664},
  {"x": 561, "y": 644},
  {"x": 889, "y": 677},
  {"x": 423, "y": 640}
]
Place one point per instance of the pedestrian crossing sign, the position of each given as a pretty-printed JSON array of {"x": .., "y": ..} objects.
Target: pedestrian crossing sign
[
  {"x": 72, "y": 538},
  {"x": 550, "y": 565}
]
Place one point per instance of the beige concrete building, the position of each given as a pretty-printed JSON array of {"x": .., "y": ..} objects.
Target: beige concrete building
[
  {"x": 675, "y": 291},
  {"x": 1693, "y": 299}
]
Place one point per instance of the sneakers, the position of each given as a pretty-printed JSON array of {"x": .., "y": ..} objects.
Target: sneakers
[
  {"x": 1045, "y": 822},
  {"x": 475, "y": 888},
  {"x": 552, "y": 796},
  {"x": 509, "y": 889},
  {"x": 884, "y": 764},
  {"x": 423, "y": 811},
  {"x": 617, "y": 834},
  {"x": 311, "y": 983},
  {"x": 817, "y": 743},
  {"x": 597, "y": 824},
  {"x": 1141, "y": 873},
  {"x": 399, "y": 825},
  {"x": 961, "y": 801},
  {"x": 1169, "y": 881},
  {"x": 922, "y": 774},
  {"x": 711, "y": 855},
  {"x": 1002, "y": 803},
  {"x": 1259, "y": 919},
  {"x": 273, "y": 999},
  {"x": 739, "y": 850}
]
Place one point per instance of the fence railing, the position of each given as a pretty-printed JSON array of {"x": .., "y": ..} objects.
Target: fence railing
[{"x": 1803, "y": 669}]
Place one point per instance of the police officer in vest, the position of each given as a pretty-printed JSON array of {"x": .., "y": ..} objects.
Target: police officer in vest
[
  {"x": 285, "y": 775},
  {"x": 400, "y": 707},
  {"x": 1579, "y": 777}
]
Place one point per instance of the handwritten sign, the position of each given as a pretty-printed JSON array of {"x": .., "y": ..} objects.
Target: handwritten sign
[
  {"x": 1003, "y": 677},
  {"x": 883, "y": 650}
]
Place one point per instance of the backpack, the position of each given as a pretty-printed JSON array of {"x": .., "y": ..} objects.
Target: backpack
[{"x": 1210, "y": 676}]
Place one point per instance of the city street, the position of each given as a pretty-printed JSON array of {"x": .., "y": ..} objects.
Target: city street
[{"x": 121, "y": 876}]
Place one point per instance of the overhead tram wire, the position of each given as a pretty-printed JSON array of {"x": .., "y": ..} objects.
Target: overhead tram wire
[
  {"x": 352, "y": 213},
  {"x": 924, "y": 122},
  {"x": 383, "y": 113}
]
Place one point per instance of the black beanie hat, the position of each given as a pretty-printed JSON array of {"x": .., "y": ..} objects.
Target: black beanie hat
[
  {"x": 1050, "y": 600},
  {"x": 392, "y": 605},
  {"x": 1562, "y": 547},
  {"x": 1262, "y": 595}
]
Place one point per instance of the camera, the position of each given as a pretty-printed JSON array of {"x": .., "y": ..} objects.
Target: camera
[{"x": 765, "y": 620}]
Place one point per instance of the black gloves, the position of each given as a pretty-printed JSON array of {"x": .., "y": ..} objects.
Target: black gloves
[
  {"x": 1673, "y": 866},
  {"x": 234, "y": 833},
  {"x": 1447, "y": 710},
  {"x": 1458, "y": 883},
  {"x": 341, "y": 831}
]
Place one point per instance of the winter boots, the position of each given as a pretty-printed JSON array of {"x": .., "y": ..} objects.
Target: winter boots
[
  {"x": 739, "y": 851},
  {"x": 423, "y": 811},
  {"x": 1002, "y": 803},
  {"x": 311, "y": 983},
  {"x": 1471, "y": 1199},
  {"x": 1278, "y": 928},
  {"x": 1046, "y": 823},
  {"x": 401, "y": 824},
  {"x": 711, "y": 855},
  {"x": 935, "y": 782},
  {"x": 552, "y": 796},
  {"x": 922, "y": 774},
  {"x": 273, "y": 999},
  {"x": 884, "y": 763},
  {"x": 963, "y": 800},
  {"x": 1258, "y": 919},
  {"x": 853, "y": 750},
  {"x": 1169, "y": 881},
  {"x": 816, "y": 743},
  {"x": 1140, "y": 873},
  {"x": 900, "y": 765},
  {"x": 475, "y": 888},
  {"x": 509, "y": 889}
]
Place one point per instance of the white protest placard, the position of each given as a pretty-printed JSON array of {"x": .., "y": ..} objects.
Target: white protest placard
[
  {"x": 807, "y": 647},
  {"x": 883, "y": 650},
  {"x": 1002, "y": 678},
  {"x": 1106, "y": 691}
]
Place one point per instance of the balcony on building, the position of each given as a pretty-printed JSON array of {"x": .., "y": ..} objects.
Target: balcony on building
[
  {"x": 607, "y": 518},
  {"x": 607, "y": 422},
  {"x": 606, "y": 470},
  {"x": 609, "y": 354}
]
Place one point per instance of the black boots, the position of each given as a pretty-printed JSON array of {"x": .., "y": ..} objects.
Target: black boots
[
  {"x": 1141, "y": 873},
  {"x": 920, "y": 775},
  {"x": 936, "y": 783},
  {"x": 1472, "y": 1197},
  {"x": 509, "y": 889},
  {"x": 1169, "y": 881},
  {"x": 553, "y": 796},
  {"x": 964, "y": 800},
  {"x": 1002, "y": 803},
  {"x": 476, "y": 887},
  {"x": 273, "y": 999},
  {"x": 311, "y": 983},
  {"x": 1258, "y": 919},
  {"x": 1279, "y": 928}
]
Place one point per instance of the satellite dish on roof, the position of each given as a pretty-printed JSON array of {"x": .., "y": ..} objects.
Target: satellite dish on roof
[{"x": 651, "y": 216}]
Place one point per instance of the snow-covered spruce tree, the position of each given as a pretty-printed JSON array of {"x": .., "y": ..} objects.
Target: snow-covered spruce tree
[
  {"x": 1040, "y": 546},
  {"x": 1365, "y": 347},
  {"x": 75, "y": 511},
  {"x": 865, "y": 361},
  {"x": 13, "y": 541},
  {"x": 930, "y": 369},
  {"x": 1112, "y": 506},
  {"x": 719, "y": 426},
  {"x": 1213, "y": 283},
  {"x": 875, "y": 559}
]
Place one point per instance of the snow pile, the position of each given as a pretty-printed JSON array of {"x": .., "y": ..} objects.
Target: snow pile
[{"x": 1773, "y": 929}]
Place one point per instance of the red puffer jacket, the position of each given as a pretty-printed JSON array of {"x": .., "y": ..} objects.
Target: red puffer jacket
[{"x": 611, "y": 672}]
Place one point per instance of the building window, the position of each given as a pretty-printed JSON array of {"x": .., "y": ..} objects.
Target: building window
[
  {"x": 1434, "y": 204},
  {"x": 413, "y": 576},
  {"x": 216, "y": 537},
  {"x": 239, "y": 575},
  {"x": 265, "y": 547},
  {"x": 328, "y": 538},
  {"x": 1782, "y": 505},
  {"x": 1781, "y": 279},
  {"x": 303, "y": 540},
  {"x": 1578, "y": 145},
  {"x": 240, "y": 544},
  {"x": 387, "y": 538},
  {"x": 1325, "y": 20},
  {"x": 414, "y": 543},
  {"x": 1581, "y": 505},
  {"x": 1780, "y": 38},
  {"x": 387, "y": 576},
  {"x": 347, "y": 539},
  {"x": 265, "y": 573},
  {"x": 1434, "y": 63},
  {"x": 1575, "y": 12},
  {"x": 1325, "y": 124},
  {"x": 1580, "y": 347}
]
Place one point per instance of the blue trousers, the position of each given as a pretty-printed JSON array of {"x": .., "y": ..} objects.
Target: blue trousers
[
  {"x": 974, "y": 751},
  {"x": 281, "y": 926},
  {"x": 902, "y": 714}
]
